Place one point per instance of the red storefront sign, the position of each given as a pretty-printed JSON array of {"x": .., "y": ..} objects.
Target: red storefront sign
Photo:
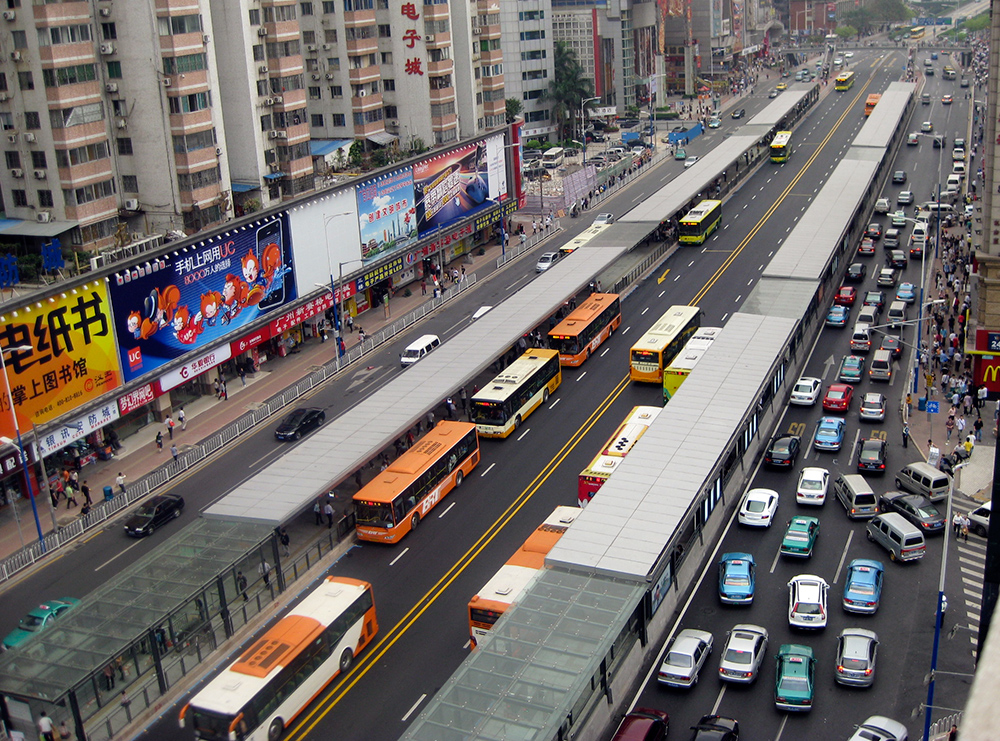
[
  {"x": 986, "y": 372},
  {"x": 251, "y": 340},
  {"x": 297, "y": 316},
  {"x": 136, "y": 398}
]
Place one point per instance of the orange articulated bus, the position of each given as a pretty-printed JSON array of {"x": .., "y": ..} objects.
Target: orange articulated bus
[
  {"x": 588, "y": 325},
  {"x": 614, "y": 451},
  {"x": 393, "y": 503},
  {"x": 871, "y": 102},
  {"x": 501, "y": 591}
]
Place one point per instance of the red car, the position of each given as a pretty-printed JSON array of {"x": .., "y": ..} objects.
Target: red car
[
  {"x": 845, "y": 296},
  {"x": 838, "y": 398},
  {"x": 867, "y": 246}
]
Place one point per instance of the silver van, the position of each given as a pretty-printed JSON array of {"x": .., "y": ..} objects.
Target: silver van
[
  {"x": 923, "y": 478},
  {"x": 861, "y": 339},
  {"x": 858, "y": 498},
  {"x": 891, "y": 238},
  {"x": 980, "y": 519},
  {"x": 896, "y": 314},
  {"x": 868, "y": 315},
  {"x": 418, "y": 349},
  {"x": 897, "y": 535},
  {"x": 881, "y": 366}
]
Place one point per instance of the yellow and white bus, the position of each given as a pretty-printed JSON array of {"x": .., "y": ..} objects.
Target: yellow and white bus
[
  {"x": 656, "y": 349},
  {"x": 682, "y": 365},
  {"x": 917, "y": 33},
  {"x": 583, "y": 238},
  {"x": 503, "y": 589},
  {"x": 261, "y": 693},
  {"x": 504, "y": 403},
  {"x": 699, "y": 222},
  {"x": 844, "y": 81},
  {"x": 614, "y": 451},
  {"x": 781, "y": 146}
]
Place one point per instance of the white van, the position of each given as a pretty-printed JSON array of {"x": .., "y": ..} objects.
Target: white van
[
  {"x": 861, "y": 339},
  {"x": 896, "y": 314},
  {"x": 919, "y": 235},
  {"x": 881, "y": 367},
  {"x": 418, "y": 349},
  {"x": 858, "y": 498},
  {"x": 953, "y": 183}
]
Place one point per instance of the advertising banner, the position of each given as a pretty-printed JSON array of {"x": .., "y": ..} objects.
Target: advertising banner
[
  {"x": 70, "y": 360},
  {"x": 77, "y": 429},
  {"x": 296, "y": 316},
  {"x": 386, "y": 214},
  {"x": 137, "y": 398},
  {"x": 182, "y": 302},
  {"x": 194, "y": 368},
  {"x": 453, "y": 186}
]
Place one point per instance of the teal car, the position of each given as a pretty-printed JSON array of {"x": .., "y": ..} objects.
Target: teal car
[
  {"x": 800, "y": 537},
  {"x": 794, "y": 683},
  {"x": 898, "y": 218},
  {"x": 38, "y": 620},
  {"x": 851, "y": 369},
  {"x": 680, "y": 154}
]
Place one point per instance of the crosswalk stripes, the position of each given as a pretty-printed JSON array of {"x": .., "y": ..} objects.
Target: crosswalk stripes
[{"x": 971, "y": 561}]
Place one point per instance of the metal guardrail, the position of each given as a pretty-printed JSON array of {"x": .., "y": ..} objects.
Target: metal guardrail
[
  {"x": 513, "y": 251},
  {"x": 134, "y": 491}
]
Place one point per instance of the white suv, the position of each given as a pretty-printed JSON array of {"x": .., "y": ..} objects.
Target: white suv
[{"x": 807, "y": 602}]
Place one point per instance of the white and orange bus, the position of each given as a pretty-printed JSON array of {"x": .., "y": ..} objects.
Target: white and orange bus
[
  {"x": 393, "y": 503},
  {"x": 503, "y": 589},
  {"x": 614, "y": 451},
  {"x": 656, "y": 349},
  {"x": 504, "y": 403},
  {"x": 685, "y": 361},
  {"x": 588, "y": 325},
  {"x": 583, "y": 238},
  {"x": 261, "y": 693}
]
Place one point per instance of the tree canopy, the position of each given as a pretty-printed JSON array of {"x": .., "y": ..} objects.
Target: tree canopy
[{"x": 568, "y": 89}]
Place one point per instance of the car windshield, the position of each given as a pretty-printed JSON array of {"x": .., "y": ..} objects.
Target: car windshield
[
  {"x": 676, "y": 658},
  {"x": 928, "y": 512},
  {"x": 780, "y": 447},
  {"x": 794, "y": 684},
  {"x": 295, "y": 417},
  {"x": 797, "y": 537},
  {"x": 803, "y": 388},
  {"x": 31, "y": 623},
  {"x": 870, "y": 454},
  {"x": 735, "y": 656}
]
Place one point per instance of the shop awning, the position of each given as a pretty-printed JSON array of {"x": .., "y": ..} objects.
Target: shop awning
[
  {"x": 24, "y": 228},
  {"x": 274, "y": 176},
  {"x": 383, "y": 138},
  {"x": 245, "y": 187},
  {"x": 323, "y": 147}
]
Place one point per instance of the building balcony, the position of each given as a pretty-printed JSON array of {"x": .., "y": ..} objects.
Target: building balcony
[
  {"x": 489, "y": 32},
  {"x": 64, "y": 54},
  {"x": 441, "y": 123},
  {"x": 195, "y": 160},
  {"x": 494, "y": 107},
  {"x": 439, "y": 12},
  {"x": 362, "y": 46},
  {"x": 363, "y": 130},
  {"x": 359, "y": 18},
  {"x": 361, "y": 75},
  {"x": 182, "y": 44},
  {"x": 298, "y": 133},
  {"x": 438, "y": 40},
  {"x": 285, "y": 66},
  {"x": 102, "y": 208},
  {"x": 286, "y": 30},
  {"x": 299, "y": 168},
  {"x": 184, "y": 123},
  {"x": 65, "y": 96},
  {"x": 204, "y": 197},
  {"x": 442, "y": 95},
  {"x": 366, "y": 102},
  {"x": 75, "y": 136},
  {"x": 77, "y": 176},
  {"x": 493, "y": 56},
  {"x": 444, "y": 67},
  {"x": 494, "y": 82},
  {"x": 188, "y": 82},
  {"x": 51, "y": 14},
  {"x": 291, "y": 99}
]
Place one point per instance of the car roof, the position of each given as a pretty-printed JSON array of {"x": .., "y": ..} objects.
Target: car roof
[{"x": 745, "y": 634}]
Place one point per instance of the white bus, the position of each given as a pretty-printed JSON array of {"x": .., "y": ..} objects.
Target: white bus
[
  {"x": 261, "y": 693},
  {"x": 553, "y": 158},
  {"x": 504, "y": 403}
]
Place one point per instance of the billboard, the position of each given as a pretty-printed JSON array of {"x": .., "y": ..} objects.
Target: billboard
[
  {"x": 71, "y": 358},
  {"x": 181, "y": 302},
  {"x": 386, "y": 214},
  {"x": 458, "y": 184}
]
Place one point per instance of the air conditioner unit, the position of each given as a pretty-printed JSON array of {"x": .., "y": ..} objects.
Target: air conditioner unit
[
  {"x": 167, "y": 82},
  {"x": 12, "y": 138},
  {"x": 122, "y": 123},
  {"x": 272, "y": 134},
  {"x": 16, "y": 56},
  {"x": 218, "y": 151},
  {"x": 267, "y": 101},
  {"x": 316, "y": 77},
  {"x": 29, "y": 137},
  {"x": 277, "y": 100},
  {"x": 262, "y": 69},
  {"x": 206, "y": 38},
  {"x": 41, "y": 174},
  {"x": 392, "y": 123},
  {"x": 262, "y": 32},
  {"x": 4, "y": 97},
  {"x": 429, "y": 39},
  {"x": 17, "y": 172},
  {"x": 280, "y": 134},
  {"x": 9, "y": 15},
  {"x": 329, "y": 75},
  {"x": 311, "y": 48},
  {"x": 111, "y": 87},
  {"x": 107, "y": 48},
  {"x": 476, "y": 31},
  {"x": 43, "y": 217},
  {"x": 326, "y": 47},
  {"x": 132, "y": 204},
  {"x": 105, "y": 12},
  {"x": 362, "y": 93}
]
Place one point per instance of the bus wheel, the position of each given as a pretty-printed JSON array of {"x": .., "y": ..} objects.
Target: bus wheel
[
  {"x": 459, "y": 478},
  {"x": 545, "y": 396},
  {"x": 346, "y": 660},
  {"x": 275, "y": 730},
  {"x": 414, "y": 521},
  {"x": 517, "y": 421}
]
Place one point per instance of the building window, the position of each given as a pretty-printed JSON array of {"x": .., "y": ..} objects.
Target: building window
[
  {"x": 89, "y": 193},
  {"x": 194, "y": 142},
  {"x": 333, "y": 64},
  {"x": 3, "y": 81},
  {"x": 338, "y": 119},
  {"x": 329, "y": 6},
  {"x": 45, "y": 199},
  {"x": 258, "y": 53},
  {"x": 82, "y": 155},
  {"x": 351, "y": 5},
  {"x": 186, "y": 63},
  {"x": 532, "y": 94},
  {"x": 265, "y": 122},
  {"x": 531, "y": 15},
  {"x": 124, "y": 145},
  {"x": 38, "y": 160},
  {"x": 32, "y": 120},
  {"x": 20, "y": 197},
  {"x": 190, "y": 103},
  {"x": 109, "y": 31},
  {"x": 94, "y": 232},
  {"x": 13, "y": 3},
  {"x": 336, "y": 91},
  {"x": 26, "y": 81},
  {"x": 387, "y": 57},
  {"x": 280, "y": 13},
  {"x": 115, "y": 70},
  {"x": 20, "y": 39},
  {"x": 389, "y": 85},
  {"x": 306, "y": 8},
  {"x": 13, "y": 159},
  {"x": 308, "y": 37},
  {"x": 179, "y": 24},
  {"x": 384, "y": 31},
  {"x": 330, "y": 35},
  {"x": 69, "y": 75},
  {"x": 315, "y": 93},
  {"x": 255, "y": 17},
  {"x": 55, "y": 35},
  {"x": 130, "y": 184},
  {"x": 316, "y": 120},
  {"x": 196, "y": 180}
]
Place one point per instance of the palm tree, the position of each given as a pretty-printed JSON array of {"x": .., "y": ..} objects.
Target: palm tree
[{"x": 568, "y": 88}]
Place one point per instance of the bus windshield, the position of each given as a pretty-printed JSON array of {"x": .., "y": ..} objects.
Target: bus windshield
[
  {"x": 506, "y": 401},
  {"x": 661, "y": 342}
]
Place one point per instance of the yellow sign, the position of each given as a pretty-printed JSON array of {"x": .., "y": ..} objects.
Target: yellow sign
[{"x": 70, "y": 357}]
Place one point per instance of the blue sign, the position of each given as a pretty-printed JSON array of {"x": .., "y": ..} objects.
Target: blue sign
[{"x": 932, "y": 407}]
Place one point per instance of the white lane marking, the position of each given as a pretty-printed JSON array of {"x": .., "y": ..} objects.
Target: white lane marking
[
  {"x": 414, "y": 707},
  {"x": 526, "y": 431},
  {"x": 843, "y": 556},
  {"x": 487, "y": 470},
  {"x": 644, "y": 311},
  {"x": 447, "y": 510},
  {"x": 584, "y": 373},
  {"x": 605, "y": 352},
  {"x": 550, "y": 407},
  {"x": 774, "y": 563},
  {"x": 519, "y": 280},
  {"x": 718, "y": 700},
  {"x": 661, "y": 293},
  {"x": 119, "y": 555},
  {"x": 403, "y": 553}
]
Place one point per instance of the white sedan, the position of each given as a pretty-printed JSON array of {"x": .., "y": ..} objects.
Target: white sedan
[
  {"x": 813, "y": 485},
  {"x": 806, "y": 391},
  {"x": 807, "y": 602},
  {"x": 684, "y": 658},
  {"x": 690, "y": 161},
  {"x": 759, "y": 507}
]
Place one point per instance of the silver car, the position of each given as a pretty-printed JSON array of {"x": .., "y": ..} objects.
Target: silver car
[
  {"x": 546, "y": 261},
  {"x": 743, "y": 653},
  {"x": 880, "y": 728},
  {"x": 684, "y": 658},
  {"x": 857, "y": 650},
  {"x": 872, "y": 407}
]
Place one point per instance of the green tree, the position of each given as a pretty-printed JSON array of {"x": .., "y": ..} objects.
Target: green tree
[
  {"x": 514, "y": 109},
  {"x": 356, "y": 155},
  {"x": 568, "y": 88}
]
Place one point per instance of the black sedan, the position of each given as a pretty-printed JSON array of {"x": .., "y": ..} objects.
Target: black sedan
[
  {"x": 899, "y": 177},
  {"x": 151, "y": 514},
  {"x": 716, "y": 728},
  {"x": 916, "y": 508},
  {"x": 856, "y": 272},
  {"x": 872, "y": 454},
  {"x": 782, "y": 451},
  {"x": 299, "y": 422},
  {"x": 739, "y": 113},
  {"x": 874, "y": 230}
]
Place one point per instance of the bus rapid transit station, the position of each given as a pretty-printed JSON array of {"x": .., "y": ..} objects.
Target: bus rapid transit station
[{"x": 164, "y": 615}]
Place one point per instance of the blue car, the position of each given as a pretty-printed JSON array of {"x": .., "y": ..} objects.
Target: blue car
[
  {"x": 863, "y": 586},
  {"x": 838, "y": 316},
  {"x": 906, "y": 292},
  {"x": 829, "y": 434},
  {"x": 736, "y": 578}
]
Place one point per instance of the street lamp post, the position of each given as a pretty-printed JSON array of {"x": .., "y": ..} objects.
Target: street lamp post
[
  {"x": 333, "y": 288},
  {"x": 20, "y": 444},
  {"x": 583, "y": 124}
]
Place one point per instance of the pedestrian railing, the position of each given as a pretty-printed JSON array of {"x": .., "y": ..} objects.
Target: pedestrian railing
[
  {"x": 102, "y": 511},
  {"x": 513, "y": 251}
]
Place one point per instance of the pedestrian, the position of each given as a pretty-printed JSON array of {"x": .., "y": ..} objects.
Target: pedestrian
[
  {"x": 285, "y": 540},
  {"x": 45, "y": 727},
  {"x": 956, "y": 523},
  {"x": 64, "y": 732},
  {"x": 182, "y": 418},
  {"x": 124, "y": 700},
  {"x": 463, "y": 396},
  {"x": 120, "y": 480},
  {"x": 328, "y": 511},
  {"x": 174, "y": 452},
  {"x": 361, "y": 335},
  {"x": 85, "y": 490},
  {"x": 953, "y": 733},
  {"x": 322, "y": 339},
  {"x": 950, "y": 425},
  {"x": 243, "y": 371},
  {"x": 318, "y": 512},
  {"x": 241, "y": 585},
  {"x": 70, "y": 497},
  {"x": 977, "y": 427},
  {"x": 451, "y": 408},
  {"x": 430, "y": 420},
  {"x": 169, "y": 424},
  {"x": 109, "y": 677},
  {"x": 423, "y": 287},
  {"x": 960, "y": 426},
  {"x": 350, "y": 323},
  {"x": 965, "y": 528},
  {"x": 159, "y": 441},
  {"x": 264, "y": 571},
  {"x": 223, "y": 391},
  {"x": 909, "y": 404}
]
